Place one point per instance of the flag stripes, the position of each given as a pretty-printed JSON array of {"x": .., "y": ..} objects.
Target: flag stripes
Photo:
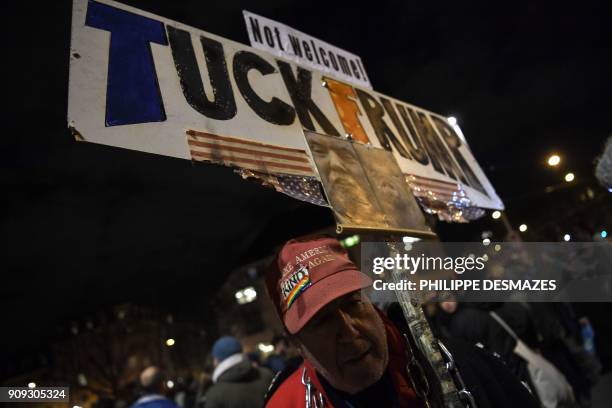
[{"x": 248, "y": 154}]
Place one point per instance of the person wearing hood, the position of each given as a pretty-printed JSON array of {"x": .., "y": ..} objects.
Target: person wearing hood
[{"x": 236, "y": 383}]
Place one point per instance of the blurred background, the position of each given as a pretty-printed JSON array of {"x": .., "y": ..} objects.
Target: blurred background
[{"x": 115, "y": 260}]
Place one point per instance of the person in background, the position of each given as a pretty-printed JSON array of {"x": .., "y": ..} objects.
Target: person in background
[
  {"x": 236, "y": 382},
  {"x": 278, "y": 360},
  {"x": 153, "y": 389},
  {"x": 470, "y": 322},
  {"x": 562, "y": 341},
  {"x": 255, "y": 358}
]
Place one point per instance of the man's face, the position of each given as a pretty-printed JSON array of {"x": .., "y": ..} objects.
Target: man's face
[
  {"x": 346, "y": 343},
  {"x": 449, "y": 306}
]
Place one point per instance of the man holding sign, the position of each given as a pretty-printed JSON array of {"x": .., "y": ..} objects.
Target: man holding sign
[{"x": 354, "y": 354}]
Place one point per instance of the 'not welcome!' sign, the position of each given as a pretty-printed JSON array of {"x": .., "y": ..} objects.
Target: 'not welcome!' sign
[{"x": 283, "y": 41}]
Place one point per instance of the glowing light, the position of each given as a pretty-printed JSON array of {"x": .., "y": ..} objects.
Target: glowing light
[
  {"x": 567, "y": 237},
  {"x": 497, "y": 247},
  {"x": 486, "y": 241},
  {"x": 350, "y": 241},
  {"x": 452, "y": 121},
  {"x": 81, "y": 379},
  {"x": 569, "y": 177},
  {"x": 265, "y": 348},
  {"x": 246, "y": 295},
  {"x": 523, "y": 227},
  {"x": 604, "y": 234},
  {"x": 170, "y": 342},
  {"x": 554, "y": 160},
  {"x": 170, "y": 384},
  {"x": 408, "y": 240},
  {"x": 32, "y": 385},
  {"x": 496, "y": 215}
]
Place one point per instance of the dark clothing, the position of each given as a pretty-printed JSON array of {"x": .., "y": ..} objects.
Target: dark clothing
[
  {"x": 276, "y": 363},
  {"x": 472, "y": 324},
  {"x": 487, "y": 377},
  {"x": 379, "y": 394},
  {"x": 562, "y": 344},
  {"x": 240, "y": 386}
]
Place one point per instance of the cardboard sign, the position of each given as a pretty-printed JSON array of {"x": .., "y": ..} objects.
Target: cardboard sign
[
  {"x": 141, "y": 82},
  {"x": 284, "y": 41}
]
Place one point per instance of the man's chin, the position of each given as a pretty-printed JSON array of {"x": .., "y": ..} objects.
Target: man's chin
[
  {"x": 356, "y": 378},
  {"x": 361, "y": 375}
]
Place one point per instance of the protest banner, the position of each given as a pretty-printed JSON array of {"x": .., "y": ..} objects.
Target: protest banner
[{"x": 144, "y": 82}]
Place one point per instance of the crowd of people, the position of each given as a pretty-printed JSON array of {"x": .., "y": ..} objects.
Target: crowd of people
[
  {"x": 553, "y": 330},
  {"x": 341, "y": 350}
]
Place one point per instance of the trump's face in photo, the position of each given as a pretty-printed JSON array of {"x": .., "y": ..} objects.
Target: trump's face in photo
[
  {"x": 344, "y": 181},
  {"x": 391, "y": 189}
]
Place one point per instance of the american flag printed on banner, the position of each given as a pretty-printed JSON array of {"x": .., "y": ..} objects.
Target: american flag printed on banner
[
  {"x": 247, "y": 154},
  {"x": 435, "y": 189},
  {"x": 307, "y": 189},
  {"x": 447, "y": 200}
]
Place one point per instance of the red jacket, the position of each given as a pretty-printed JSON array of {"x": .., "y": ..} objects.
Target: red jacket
[{"x": 292, "y": 393}]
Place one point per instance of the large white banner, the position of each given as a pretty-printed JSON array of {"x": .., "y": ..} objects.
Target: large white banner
[
  {"x": 144, "y": 82},
  {"x": 305, "y": 50}
]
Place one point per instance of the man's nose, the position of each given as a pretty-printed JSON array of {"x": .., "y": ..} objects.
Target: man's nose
[{"x": 347, "y": 329}]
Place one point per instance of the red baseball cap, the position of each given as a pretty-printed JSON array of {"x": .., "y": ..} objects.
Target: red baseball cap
[{"x": 306, "y": 275}]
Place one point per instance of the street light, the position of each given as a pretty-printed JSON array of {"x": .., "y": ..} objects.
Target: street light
[
  {"x": 246, "y": 295},
  {"x": 496, "y": 214},
  {"x": 554, "y": 160},
  {"x": 32, "y": 385},
  {"x": 265, "y": 348},
  {"x": 569, "y": 177},
  {"x": 170, "y": 342},
  {"x": 350, "y": 241},
  {"x": 452, "y": 121},
  {"x": 567, "y": 237},
  {"x": 523, "y": 228}
]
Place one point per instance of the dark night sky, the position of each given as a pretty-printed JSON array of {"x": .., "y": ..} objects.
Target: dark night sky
[{"x": 88, "y": 226}]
